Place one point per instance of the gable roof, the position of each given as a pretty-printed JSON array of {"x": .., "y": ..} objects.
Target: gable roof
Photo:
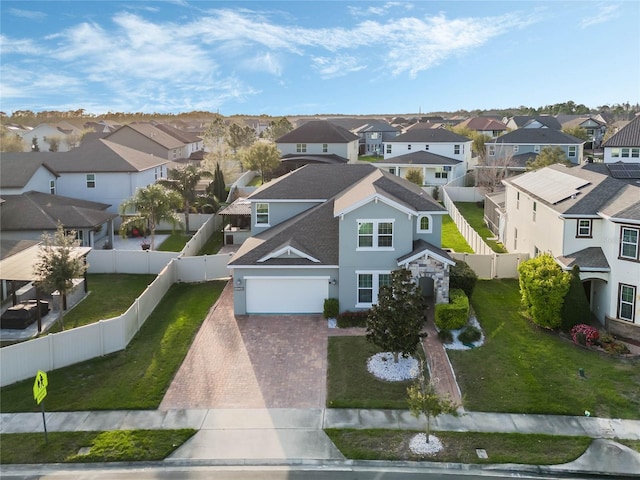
[
  {"x": 429, "y": 135},
  {"x": 151, "y": 132},
  {"x": 420, "y": 157},
  {"x": 590, "y": 259},
  {"x": 577, "y": 120},
  {"x": 16, "y": 168},
  {"x": 628, "y": 136},
  {"x": 180, "y": 135},
  {"x": 318, "y": 131},
  {"x": 483, "y": 123},
  {"x": 422, "y": 247},
  {"x": 546, "y": 120},
  {"x": 537, "y": 136},
  {"x": 42, "y": 211}
]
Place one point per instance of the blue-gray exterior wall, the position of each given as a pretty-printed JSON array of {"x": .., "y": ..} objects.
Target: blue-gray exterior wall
[{"x": 278, "y": 213}]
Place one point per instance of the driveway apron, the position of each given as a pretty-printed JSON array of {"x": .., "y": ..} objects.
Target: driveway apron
[{"x": 254, "y": 361}]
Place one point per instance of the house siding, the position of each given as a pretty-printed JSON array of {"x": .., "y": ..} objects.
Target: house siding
[
  {"x": 278, "y": 213},
  {"x": 346, "y": 150},
  {"x": 446, "y": 149}
]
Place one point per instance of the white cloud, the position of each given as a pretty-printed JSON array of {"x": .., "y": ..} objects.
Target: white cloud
[
  {"x": 605, "y": 13},
  {"x": 339, "y": 66},
  {"x": 21, "y": 47},
  {"x": 264, "y": 62},
  {"x": 379, "y": 9},
  {"x": 30, "y": 14}
]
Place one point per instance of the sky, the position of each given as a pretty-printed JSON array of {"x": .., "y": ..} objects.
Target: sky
[{"x": 316, "y": 57}]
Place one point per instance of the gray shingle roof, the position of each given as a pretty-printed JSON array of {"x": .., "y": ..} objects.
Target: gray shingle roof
[
  {"x": 153, "y": 133},
  {"x": 483, "y": 124},
  {"x": 180, "y": 135},
  {"x": 41, "y": 211},
  {"x": 536, "y": 136},
  {"x": 429, "y": 135},
  {"x": 16, "y": 168},
  {"x": 318, "y": 158},
  {"x": 12, "y": 247},
  {"x": 422, "y": 246},
  {"x": 629, "y": 136},
  {"x": 318, "y": 131},
  {"x": 548, "y": 120},
  {"x": 420, "y": 157},
  {"x": 588, "y": 259}
]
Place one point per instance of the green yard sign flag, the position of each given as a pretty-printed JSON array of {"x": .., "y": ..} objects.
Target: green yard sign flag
[{"x": 40, "y": 386}]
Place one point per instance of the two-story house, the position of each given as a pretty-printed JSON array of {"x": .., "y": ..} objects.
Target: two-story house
[
  {"x": 317, "y": 141},
  {"x": 624, "y": 146},
  {"x": 337, "y": 231},
  {"x": 594, "y": 125},
  {"x": 63, "y": 135},
  {"x": 440, "y": 154},
  {"x": 529, "y": 121},
  {"x": 160, "y": 140},
  {"x": 525, "y": 144},
  {"x": 484, "y": 126},
  {"x": 587, "y": 216}
]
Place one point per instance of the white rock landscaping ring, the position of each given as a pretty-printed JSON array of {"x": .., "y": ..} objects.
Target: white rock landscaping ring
[{"x": 382, "y": 366}]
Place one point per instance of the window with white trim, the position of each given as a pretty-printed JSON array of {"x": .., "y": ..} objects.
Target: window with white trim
[
  {"x": 388, "y": 148},
  {"x": 492, "y": 150},
  {"x": 262, "y": 214},
  {"x": 515, "y": 238},
  {"x": 301, "y": 148},
  {"x": 516, "y": 148},
  {"x": 626, "y": 302},
  {"x": 369, "y": 284},
  {"x": 375, "y": 234},
  {"x": 584, "y": 228},
  {"x": 615, "y": 152},
  {"x": 325, "y": 147},
  {"x": 629, "y": 238},
  {"x": 624, "y": 153},
  {"x": 535, "y": 210},
  {"x": 573, "y": 151},
  {"x": 517, "y": 200},
  {"x": 426, "y": 147},
  {"x": 441, "y": 172},
  {"x": 91, "y": 180},
  {"x": 456, "y": 149},
  {"x": 424, "y": 224},
  {"x": 635, "y": 153},
  {"x": 536, "y": 149},
  {"x": 52, "y": 187},
  {"x": 409, "y": 147}
]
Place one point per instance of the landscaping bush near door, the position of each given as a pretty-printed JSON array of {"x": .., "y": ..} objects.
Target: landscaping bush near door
[{"x": 455, "y": 314}]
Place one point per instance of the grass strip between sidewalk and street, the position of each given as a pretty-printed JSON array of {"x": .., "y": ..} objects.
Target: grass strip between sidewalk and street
[
  {"x": 349, "y": 383},
  {"x": 134, "y": 378},
  {"x": 525, "y": 369},
  {"x": 460, "y": 447},
  {"x": 113, "y": 446}
]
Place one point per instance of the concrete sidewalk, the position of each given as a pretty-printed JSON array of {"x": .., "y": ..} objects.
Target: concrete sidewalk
[{"x": 251, "y": 436}]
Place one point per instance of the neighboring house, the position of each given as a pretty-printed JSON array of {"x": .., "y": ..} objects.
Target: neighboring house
[
  {"x": 102, "y": 126},
  {"x": 98, "y": 171},
  {"x": 27, "y": 216},
  {"x": 485, "y": 126},
  {"x": 525, "y": 143},
  {"x": 594, "y": 125},
  {"x": 371, "y": 131},
  {"x": 67, "y": 135},
  {"x": 160, "y": 140},
  {"x": 624, "y": 146},
  {"x": 317, "y": 141},
  {"x": 337, "y": 231},
  {"x": 440, "y": 154},
  {"x": 587, "y": 216},
  {"x": 528, "y": 121}
]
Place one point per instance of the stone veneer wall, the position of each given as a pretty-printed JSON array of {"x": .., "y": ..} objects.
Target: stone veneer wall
[{"x": 432, "y": 268}]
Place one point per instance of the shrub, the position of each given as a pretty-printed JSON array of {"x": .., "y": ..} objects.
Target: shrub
[
  {"x": 470, "y": 334},
  {"x": 606, "y": 338},
  {"x": 352, "y": 319},
  {"x": 445, "y": 336},
  {"x": 453, "y": 315},
  {"x": 616, "y": 348},
  {"x": 462, "y": 276},
  {"x": 543, "y": 286},
  {"x": 575, "y": 309},
  {"x": 331, "y": 307},
  {"x": 584, "y": 334}
]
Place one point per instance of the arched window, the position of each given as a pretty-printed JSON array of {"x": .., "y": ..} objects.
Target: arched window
[{"x": 424, "y": 224}]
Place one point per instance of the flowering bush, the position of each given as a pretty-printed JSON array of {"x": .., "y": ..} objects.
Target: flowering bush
[{"x": 584, "y": 334}]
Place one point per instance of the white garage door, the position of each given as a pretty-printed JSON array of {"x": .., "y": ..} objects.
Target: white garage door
[{"x": 286, "y": 294}]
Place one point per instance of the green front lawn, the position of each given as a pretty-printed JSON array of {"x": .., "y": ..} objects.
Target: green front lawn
[
  {"x": 110, "y": 295},
  {"x": 522, "y": 368},
  {"x": 114, "y": 446},
  {"x": 452, "y": 238},
  {"x": 460, "y": 447},
  {"x": 475, "y": 216},
  {"x": 350, "y": 385},
  {"x": 134, "y": 378}
]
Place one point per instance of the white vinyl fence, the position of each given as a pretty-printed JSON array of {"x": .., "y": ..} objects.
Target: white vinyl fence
[
  {"x": 495, "y": 265},
  {"x": 474, "y": 240},
  {"x": 23, "y": 360}
]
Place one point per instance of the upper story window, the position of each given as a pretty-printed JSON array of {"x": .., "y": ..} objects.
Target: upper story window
[
  {"x": 584, "y": 228},
  {"x": 175, "y": 153},
  {"x": 516, "y": 148},
  {"x": 262, "y": 214},
  {"x": 374, "y": 135},
  {"x": 325, "y": 147},
  {"x": 91, "y": 180},
  {"x": 492, "y": 150},
  {"x": 635, "y": 153},
  {"x": 517, "y": 200},
  {"x": 535, "y": 210},
  {"x": 573, "y": 151},
  {"x": 409, "y": 147},
  {"x": 629, "y": 238},
  {"x": 375, "y": 234},
  {"x": 536, "y": 149},
  {"x": 388, "y": 148},
  {"x": 426, "y": 147},
  {"x": 615, "y": 152},
  {"x": 626, "y": 302},
  {"x": 456, "y": 149},
  {"x": 424, "y": 224},
  {"x": 52, "y": 187},
  {"x": 301, "y": 148}
]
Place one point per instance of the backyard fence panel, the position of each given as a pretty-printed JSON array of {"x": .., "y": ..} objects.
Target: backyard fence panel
[
  {"x": 202, "y": 269},
  {"x": 152, "y": 296},
  {"x": 23, "y": 360},
  {"x": 76, "y": 345},
  {"x": 113, "y": 334},
  {"x": 130, "y": 320},
  {"x": 464, "y": 194},
  {"x": 481, "y": 264},
  {"x": 507, "y": 264},
  {"x": 101, "y": 261}
]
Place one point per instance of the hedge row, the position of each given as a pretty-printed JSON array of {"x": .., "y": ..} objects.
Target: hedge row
[{"x": 455, "y": 314}]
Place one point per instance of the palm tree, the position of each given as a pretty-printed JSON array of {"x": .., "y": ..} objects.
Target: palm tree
[
  {"x": 151, "y": 205},
  {"x": 184, "y": 181}
]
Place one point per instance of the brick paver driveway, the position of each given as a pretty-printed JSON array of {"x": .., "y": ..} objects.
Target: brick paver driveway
[{"x": 270, "y": 361}]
